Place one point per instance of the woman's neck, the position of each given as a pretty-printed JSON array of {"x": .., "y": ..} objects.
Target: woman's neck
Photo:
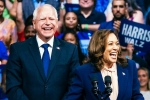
[
  {"x": 144, "y": 88},
  {"x": 108, "y": 65}
]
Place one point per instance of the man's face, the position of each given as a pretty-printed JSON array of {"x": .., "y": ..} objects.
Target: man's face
[
  {"x": 29, "y": 32},
  {"x": 118, "y": 9},
  {"x": 46, "y": 23},
  {"x": 86, "y": 3}
]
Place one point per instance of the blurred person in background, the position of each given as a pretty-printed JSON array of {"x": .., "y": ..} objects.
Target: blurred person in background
[
  {"x": 143, "y": 76},
  {"x": 8, "y": 32},
  {"x": 134, "y": 12},
  {"x": 88, "y": 16},
  {"x": 72, "y": 37}
]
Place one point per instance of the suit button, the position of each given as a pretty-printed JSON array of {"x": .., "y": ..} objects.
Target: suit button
[{"x": 46, "y": 87}]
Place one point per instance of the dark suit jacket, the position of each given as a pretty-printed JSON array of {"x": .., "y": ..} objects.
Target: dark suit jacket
[
  {"x": 25, "y": 75},
  {"x": 82, "y": 83}
]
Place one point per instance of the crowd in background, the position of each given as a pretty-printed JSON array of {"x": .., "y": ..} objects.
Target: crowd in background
[{"x": 16, "y": 26}]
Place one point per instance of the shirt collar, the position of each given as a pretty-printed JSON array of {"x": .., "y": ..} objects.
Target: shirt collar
[
  {"x": 112, "y": 69},
  {"x": 40, "y": 42},
  {"x": 92, "y": 13}
]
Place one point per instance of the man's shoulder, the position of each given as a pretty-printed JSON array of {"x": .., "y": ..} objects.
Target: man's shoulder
[
  {"x": 65, "y": 44},
  {"x": 19, "y": 44}
]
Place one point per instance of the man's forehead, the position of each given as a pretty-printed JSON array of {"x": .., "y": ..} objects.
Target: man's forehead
[
  {"x": 118, "y": 2},
  {"x": 47, "y": 13}
]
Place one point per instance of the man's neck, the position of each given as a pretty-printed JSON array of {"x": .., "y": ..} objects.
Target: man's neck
[{"x": 86, "y": 12}]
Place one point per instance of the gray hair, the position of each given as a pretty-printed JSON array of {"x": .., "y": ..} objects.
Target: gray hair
[{"x": 35, "y": 13}]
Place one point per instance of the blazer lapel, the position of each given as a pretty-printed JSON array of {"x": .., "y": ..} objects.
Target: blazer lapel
[
  {"x": 122, "y": 81},
  {"x": 33, "y": 47},
  {"x": 96, "y": 75},
  {"x": 55, "y": 55}
]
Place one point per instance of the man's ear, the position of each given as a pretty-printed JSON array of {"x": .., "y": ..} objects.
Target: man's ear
[{"x": 33, "y": 21}]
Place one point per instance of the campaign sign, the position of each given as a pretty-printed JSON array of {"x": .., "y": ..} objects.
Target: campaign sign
[{"x": 135, "y": 33}]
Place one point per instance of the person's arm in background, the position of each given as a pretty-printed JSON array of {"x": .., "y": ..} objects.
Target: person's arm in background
[
  {"x": 92, "y": 27},
  {"x": 95, "y": 27},
  {"x": 108, "y": 12},
  {"x": 61, "y": 15},
  {"x": 8, "y": 4},
  {"x": 13, "y": 9},
  {"x": 19, "y": 18}
]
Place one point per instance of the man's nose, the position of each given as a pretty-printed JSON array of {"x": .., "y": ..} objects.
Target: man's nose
[
  {"x": 118, "y": 8},
  {"x": 47, "y": 21}
]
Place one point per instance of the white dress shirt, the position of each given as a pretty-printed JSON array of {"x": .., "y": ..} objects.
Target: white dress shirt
[
  {"x": 40, "y": 43},
  {"x": 112, "y": 72}
]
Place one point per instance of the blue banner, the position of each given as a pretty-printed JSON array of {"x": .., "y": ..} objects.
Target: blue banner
[{"x": 135, "y": 33}]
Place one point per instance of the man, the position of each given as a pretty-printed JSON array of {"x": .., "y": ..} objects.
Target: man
[
  {"x": 88, "y": 16},
  {"x": 30, "y": 78},
  {"x": 118, "y": 9}
]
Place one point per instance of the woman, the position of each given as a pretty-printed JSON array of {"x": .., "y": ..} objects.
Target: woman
[
  {"x": 70, "y": 22},
  {"x": 7, "y": 28},
  {"x": 104, "y": 59},
  {"x": 134, "y": 12},
  {"x": 143, "y": 76},
  {"x": 71, "y": 36}
]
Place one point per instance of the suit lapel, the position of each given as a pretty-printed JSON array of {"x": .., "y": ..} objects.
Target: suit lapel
[
  {"x": 122, "y": 81},
  {"x": 55, "y": 55},
  {"x": 33, "y": 47},
  {"x": 96, "y": 75}
]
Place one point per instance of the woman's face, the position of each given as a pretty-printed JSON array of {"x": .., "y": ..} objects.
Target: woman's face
[
  {"x": 71, "y": 20},
  {"x": 143, "y": 77},
  {"x": 70, "y": 38},
  {"x": 1, "y": 7},
  {"x": 112, "y": 47}
]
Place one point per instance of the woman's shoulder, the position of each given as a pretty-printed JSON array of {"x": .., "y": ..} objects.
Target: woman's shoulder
[
  {"x": 10, "y": 21},
  {"x": 138, "y": 17}
]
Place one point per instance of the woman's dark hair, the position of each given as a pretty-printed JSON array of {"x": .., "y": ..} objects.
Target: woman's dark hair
[
  {"x": 28, "y": 21},
  {"x": 147, "y": 73},
  {"x": 132, "y": 7},
  {"x": 148, "y": 19},
  {"x": 96, "y": 49},
  {"x": 81, "y": 55},
  {"x": 64, "y": 28},
  {"x": 4, "y": 3}
]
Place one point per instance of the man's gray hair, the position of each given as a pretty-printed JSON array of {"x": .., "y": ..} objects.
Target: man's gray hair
[{"x": 35, "y": 13}]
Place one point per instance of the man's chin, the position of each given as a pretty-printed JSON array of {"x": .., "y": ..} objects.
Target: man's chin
[{"x": 119, "y": 18}]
